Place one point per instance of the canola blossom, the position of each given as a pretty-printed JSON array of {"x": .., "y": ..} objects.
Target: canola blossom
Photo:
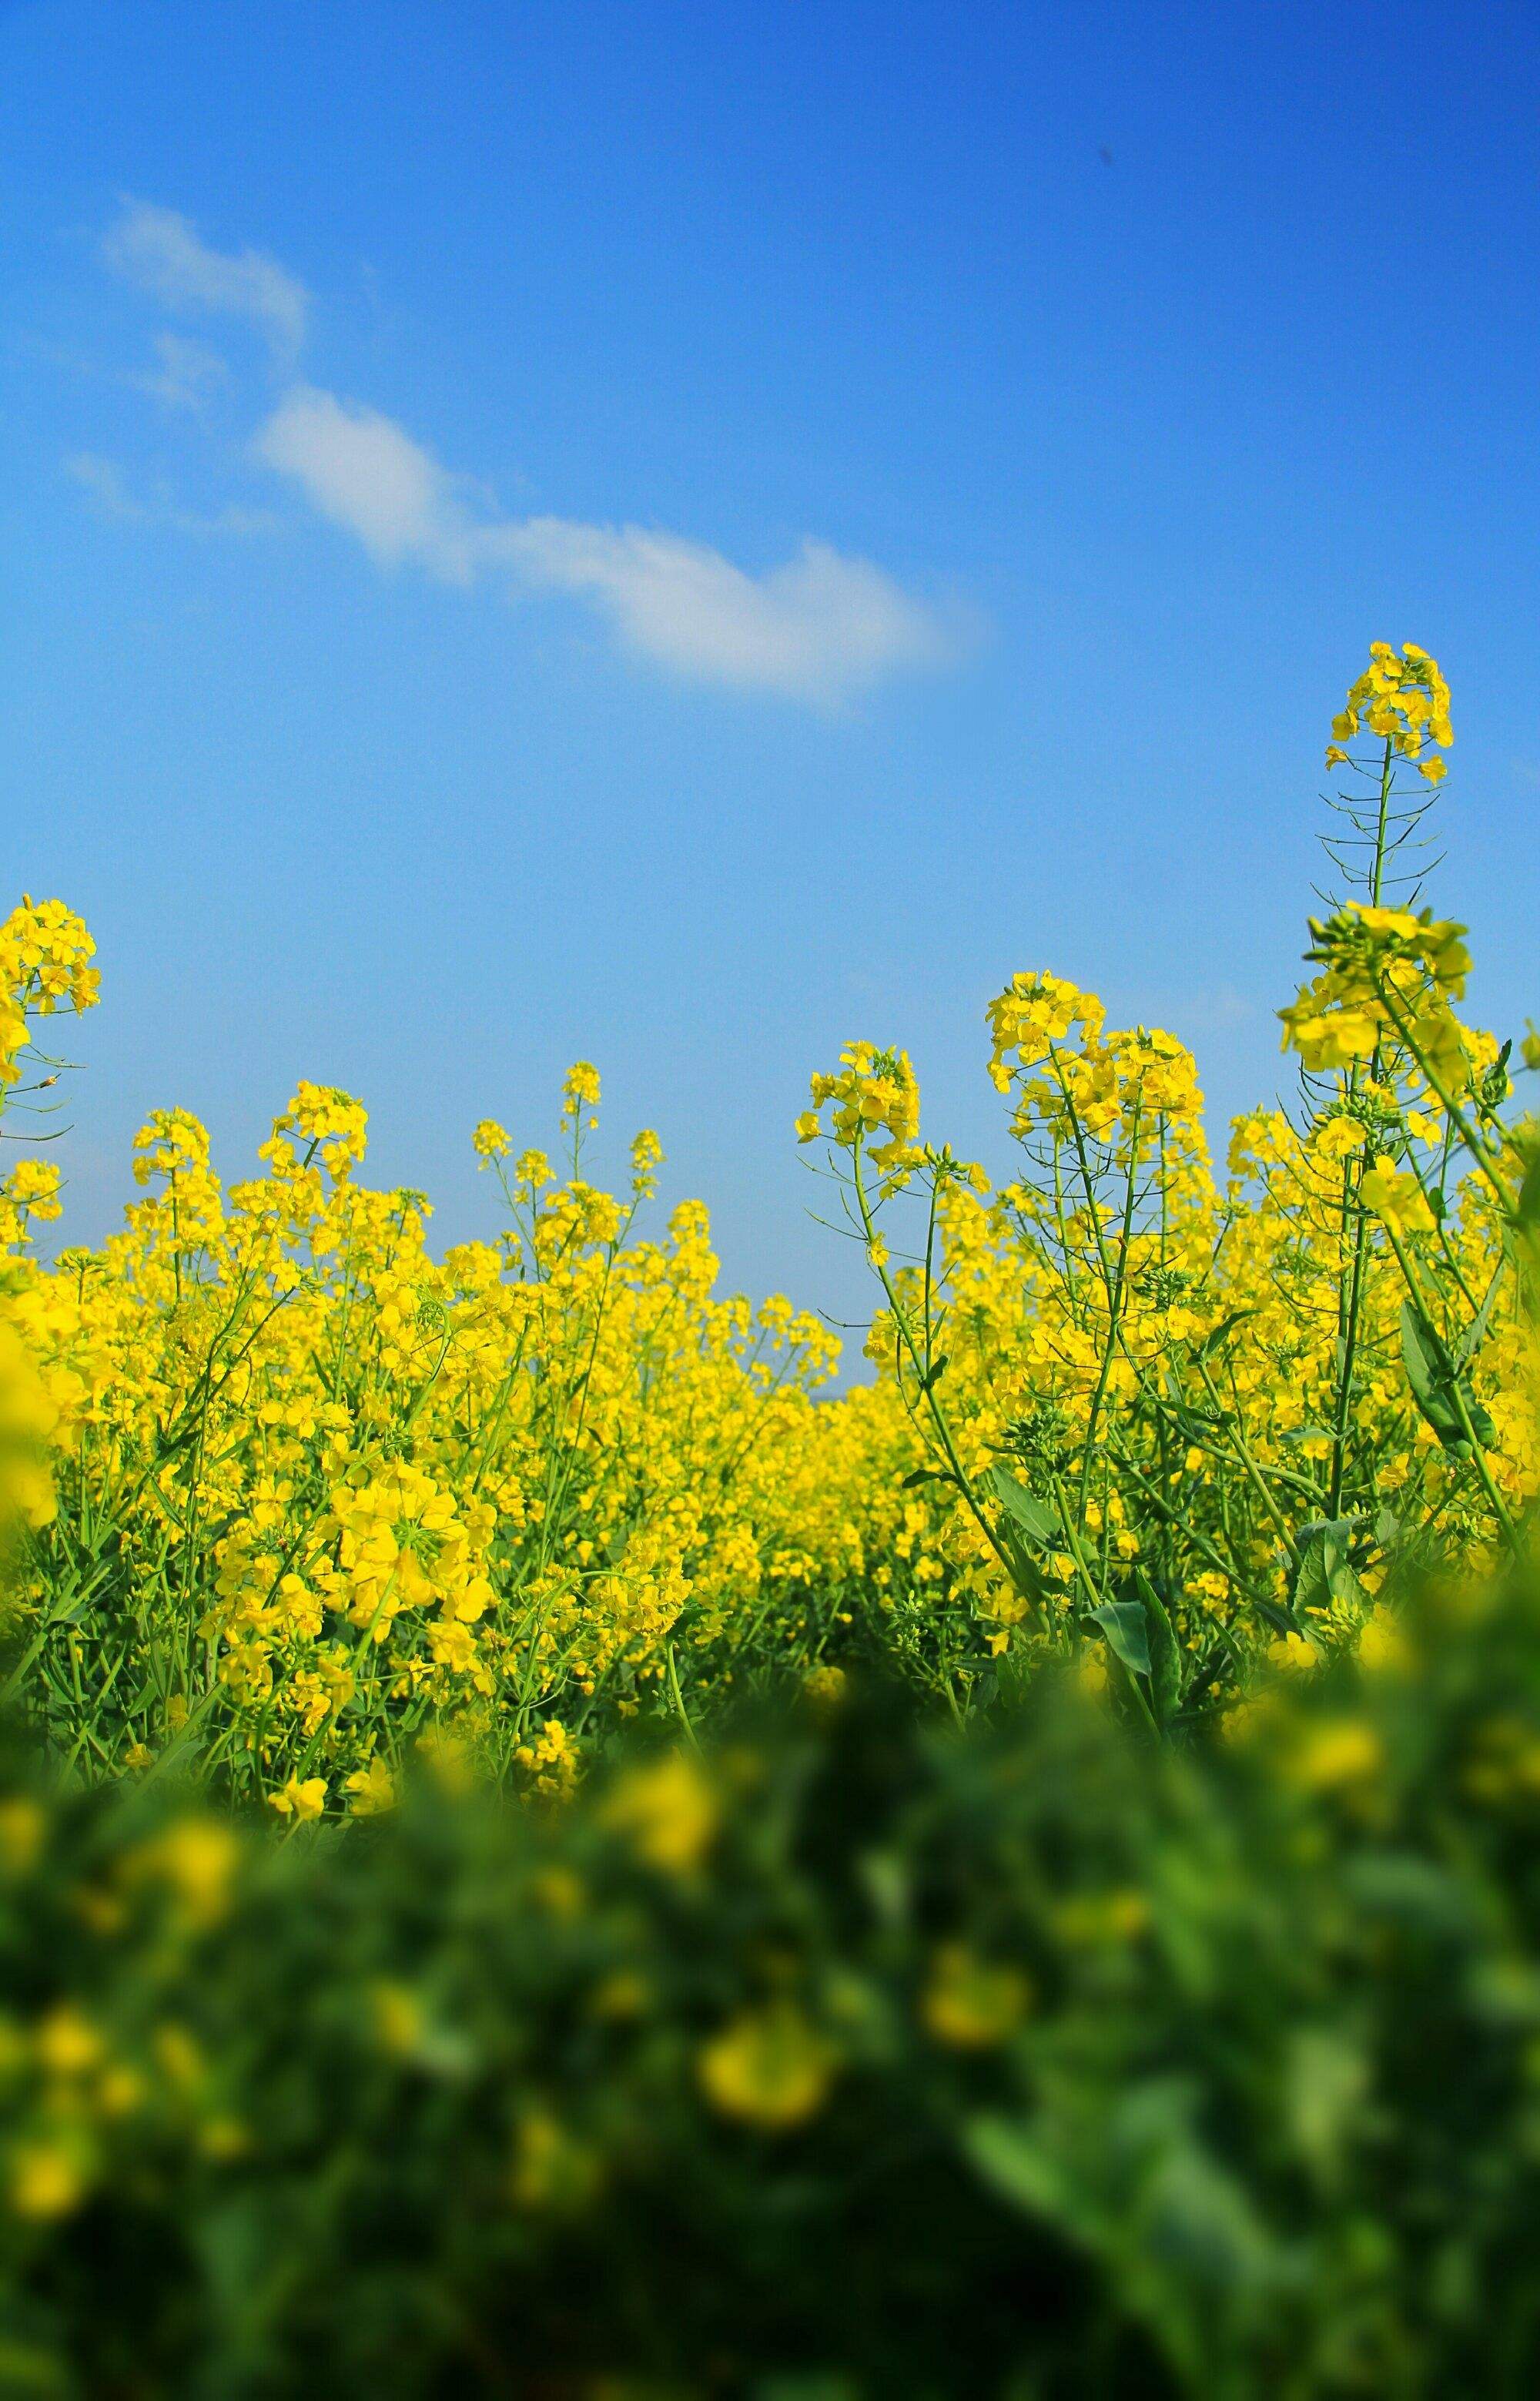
[{"x": 295, "y": 1501}]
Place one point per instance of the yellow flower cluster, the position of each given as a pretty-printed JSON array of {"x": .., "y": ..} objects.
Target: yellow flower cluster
[
  {"x": 1384, "y": 973},
  {"x": 1032, "y": 1015},
  {"x": 876, "y": 1106},
  {"x": 45, "y": 970},
  {"x": 45, "y": 955},
  {"x": 1403, "y": 699}
]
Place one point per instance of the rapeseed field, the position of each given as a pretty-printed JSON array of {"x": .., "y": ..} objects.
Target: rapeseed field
[
  {"x": 302, "y": 1500},
  {"x": 549, "y": 1847}
]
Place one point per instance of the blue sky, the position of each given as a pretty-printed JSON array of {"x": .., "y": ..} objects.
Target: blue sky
[{"x": 683, "y": 535}]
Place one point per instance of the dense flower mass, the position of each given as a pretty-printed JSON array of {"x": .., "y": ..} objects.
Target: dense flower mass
[
  {"x": 322, "y": 1500},
  {"x": 299, "y": 1502}
]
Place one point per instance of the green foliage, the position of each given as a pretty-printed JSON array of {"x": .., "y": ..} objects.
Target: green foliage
[{"x": 860, "y": 2057}]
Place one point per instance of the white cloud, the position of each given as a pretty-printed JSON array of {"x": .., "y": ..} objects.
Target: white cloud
[
  {"x": 162, "y": 252},
  {"x": 187, "y": 374},
  {"x": 360, "y": 470},
  {"x": 816, "y": 627}
]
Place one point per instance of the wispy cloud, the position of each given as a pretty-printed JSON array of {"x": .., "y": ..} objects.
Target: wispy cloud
[
  {"x": 163, "y": 253},
  {"x": 360, "y": 470},
  {"x": 187, "y": 375},
  {"x": 817, "y": 627},
  {"x": 111, "y": 495},
  {"x": 102, "y": 480}
]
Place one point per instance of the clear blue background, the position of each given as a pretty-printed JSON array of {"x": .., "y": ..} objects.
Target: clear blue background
[{"x": 1179, "y": 429}]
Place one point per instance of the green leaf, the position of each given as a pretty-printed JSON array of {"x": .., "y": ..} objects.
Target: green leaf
[
  {"x": 175, "y": 1516},
  {"x": 1341, "y": 1583},
  {"x": 1217, "y": 1334},
  {"x": 1343, "y": 1527},
  {"x": 1428, "y": 1375},
  {"x": 1166, "y": 1665},
  {"x": 1524, "y": 1231},
  {"x": 1325, "y": 1573},
  {"x": 1015, "y": 2166},
  {"x": 1127, "y": 1631},
  {"x": 1034, "y": 1518},
  {"x": 1475, "y": 1332},
  {"x": 1436, "y": 1387},
  {"x": 1311, "y": 1591}
]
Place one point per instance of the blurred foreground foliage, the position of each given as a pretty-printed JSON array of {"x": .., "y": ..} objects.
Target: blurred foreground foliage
[{"x": 859, "y": 2056}]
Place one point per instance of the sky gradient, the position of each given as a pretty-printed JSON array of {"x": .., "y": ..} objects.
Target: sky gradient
[{"x": 684, "y": 536}]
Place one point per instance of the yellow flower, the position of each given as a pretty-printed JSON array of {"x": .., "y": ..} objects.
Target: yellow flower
[
  {"x": 1330, "y": 1038},
  {"x": 581, "y": 1088},
  {"x": 398, "y": 2018},
  {"x": 1341, "y": 1752},
  {"x": 973, "y": 2003},
  {"x": 875, "y": 1095},
  {"x": 1337, "y": 1138},
  {"x": 373, "y": 1789},
  {"x": 319, "y": 1125},
  {"x": 551, "y": 2169},
  {"x": 669, "y": 1810},
  {"x": 22, "y": 1828},
  {"x": 1380, "y": 1642},
  {"x": 1401, "y": 698},
  {"x": 1396, "y": 1198},
  {"x": 551, "y": 1757},
  {"x": 198, "y": 1860},
  {"x": 45, "y": 2181},
  {"x": 646, "y": 1158},
  {"x": 489, "y": 1142},
  {"x": 67, "y": 2043},
  {"x": 224, "y": 2138},
  {"x": 769, "y": 2067},
  {"x": 302, "y": 1802}
]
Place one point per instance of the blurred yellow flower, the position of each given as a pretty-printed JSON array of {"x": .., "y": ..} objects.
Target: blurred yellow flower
[{"x": 769, "y": 2069}]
